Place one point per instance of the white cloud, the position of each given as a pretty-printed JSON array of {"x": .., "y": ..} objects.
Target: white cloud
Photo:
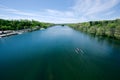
[
  {"x": 83, "y": 10},
  {"x": 110, "y": 13},
  {"x": 14, "y": 11},
  {"x": 91, "y": 7},
  {"x": 60, "y": 13}
]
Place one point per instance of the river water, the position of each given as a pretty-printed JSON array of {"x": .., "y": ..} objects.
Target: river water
[{"x": 59, "y": 53}]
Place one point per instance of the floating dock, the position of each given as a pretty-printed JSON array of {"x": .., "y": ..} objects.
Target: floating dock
[{"x": 8, "y": 34}]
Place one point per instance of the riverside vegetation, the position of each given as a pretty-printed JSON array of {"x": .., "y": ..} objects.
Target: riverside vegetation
[
  {"x": 109, "y": 28},
  {"x": 22, "y": 24}
]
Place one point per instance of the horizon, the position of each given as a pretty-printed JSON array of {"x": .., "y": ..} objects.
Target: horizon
[
  {"x": 54, "y": 11},
  {"x": 61, "y": 23}
]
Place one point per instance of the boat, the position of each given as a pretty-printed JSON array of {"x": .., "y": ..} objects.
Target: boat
[
  {"x": 42, "y": 28},
  {"x": 19, "y": 33},
  {"x": 77, "y": 50}
]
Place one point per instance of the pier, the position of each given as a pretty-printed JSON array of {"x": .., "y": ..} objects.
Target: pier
[{"x": 9, "y": 33}]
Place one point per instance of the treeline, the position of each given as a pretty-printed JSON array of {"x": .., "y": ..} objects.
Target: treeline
[
  {"x": 22, "y": 24},
  {"x": 109, "y": 28}
]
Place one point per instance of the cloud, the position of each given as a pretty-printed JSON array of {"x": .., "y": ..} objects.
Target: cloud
[
  {"x": 91, "y": 7},
  {"x": 60, "y": 13},
  {"x": 82, "y": 10},
  {"x": 14, "y": 11}
]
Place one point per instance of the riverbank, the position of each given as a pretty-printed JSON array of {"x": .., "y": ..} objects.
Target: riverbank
[
  {"x": 7, "y": 33},
  {"x": 108, "y": 28},
  {"x": 14, "y": 27}
]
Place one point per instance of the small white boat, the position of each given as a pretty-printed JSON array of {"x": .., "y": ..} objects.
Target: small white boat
[
  {"x": 19, "y": 32},
  {"x": 81, "y": 51},
  {"x": 42, "y": 28},
  {"x": 76, "y": 51}
]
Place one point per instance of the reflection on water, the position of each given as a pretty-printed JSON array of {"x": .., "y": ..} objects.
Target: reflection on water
[{"x": 59, "y": 53}]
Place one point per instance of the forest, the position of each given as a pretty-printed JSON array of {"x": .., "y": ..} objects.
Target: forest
[
  {"x": 22, "y": 24},
  {"x": 108, "y": 28}
]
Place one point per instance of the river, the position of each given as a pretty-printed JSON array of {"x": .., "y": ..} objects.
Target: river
[{"x": 59, "y": 53}]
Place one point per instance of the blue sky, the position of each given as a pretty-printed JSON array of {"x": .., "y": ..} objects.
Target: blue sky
[{"x": 60, "y": 11}]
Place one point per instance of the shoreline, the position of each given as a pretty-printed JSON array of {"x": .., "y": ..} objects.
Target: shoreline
[
  {"x": 11, "y": 32},
  {"x": 7, "y": 33}
]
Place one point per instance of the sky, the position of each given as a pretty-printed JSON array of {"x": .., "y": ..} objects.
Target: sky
[{"x": 60, "y": 11}]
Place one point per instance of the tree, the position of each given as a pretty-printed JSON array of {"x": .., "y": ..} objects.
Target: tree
[
  {"x": 92, "y": 30},
  {"x": 117, "y": 32},
  {"x": 21, "y": 24},
  {"x": 100, "y": 31},
  {"x": 110, "y": 29}
]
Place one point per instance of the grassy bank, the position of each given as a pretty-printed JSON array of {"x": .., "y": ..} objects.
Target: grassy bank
[{"x": 109, "y": 28}]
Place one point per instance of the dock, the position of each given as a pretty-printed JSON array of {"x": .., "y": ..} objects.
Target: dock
[
  {"x": 16, "y": 32},
  {"x": 8, "y": 34}
]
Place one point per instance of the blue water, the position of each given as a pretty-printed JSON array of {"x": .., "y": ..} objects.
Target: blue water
[{"x": 59, "y": 53}]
